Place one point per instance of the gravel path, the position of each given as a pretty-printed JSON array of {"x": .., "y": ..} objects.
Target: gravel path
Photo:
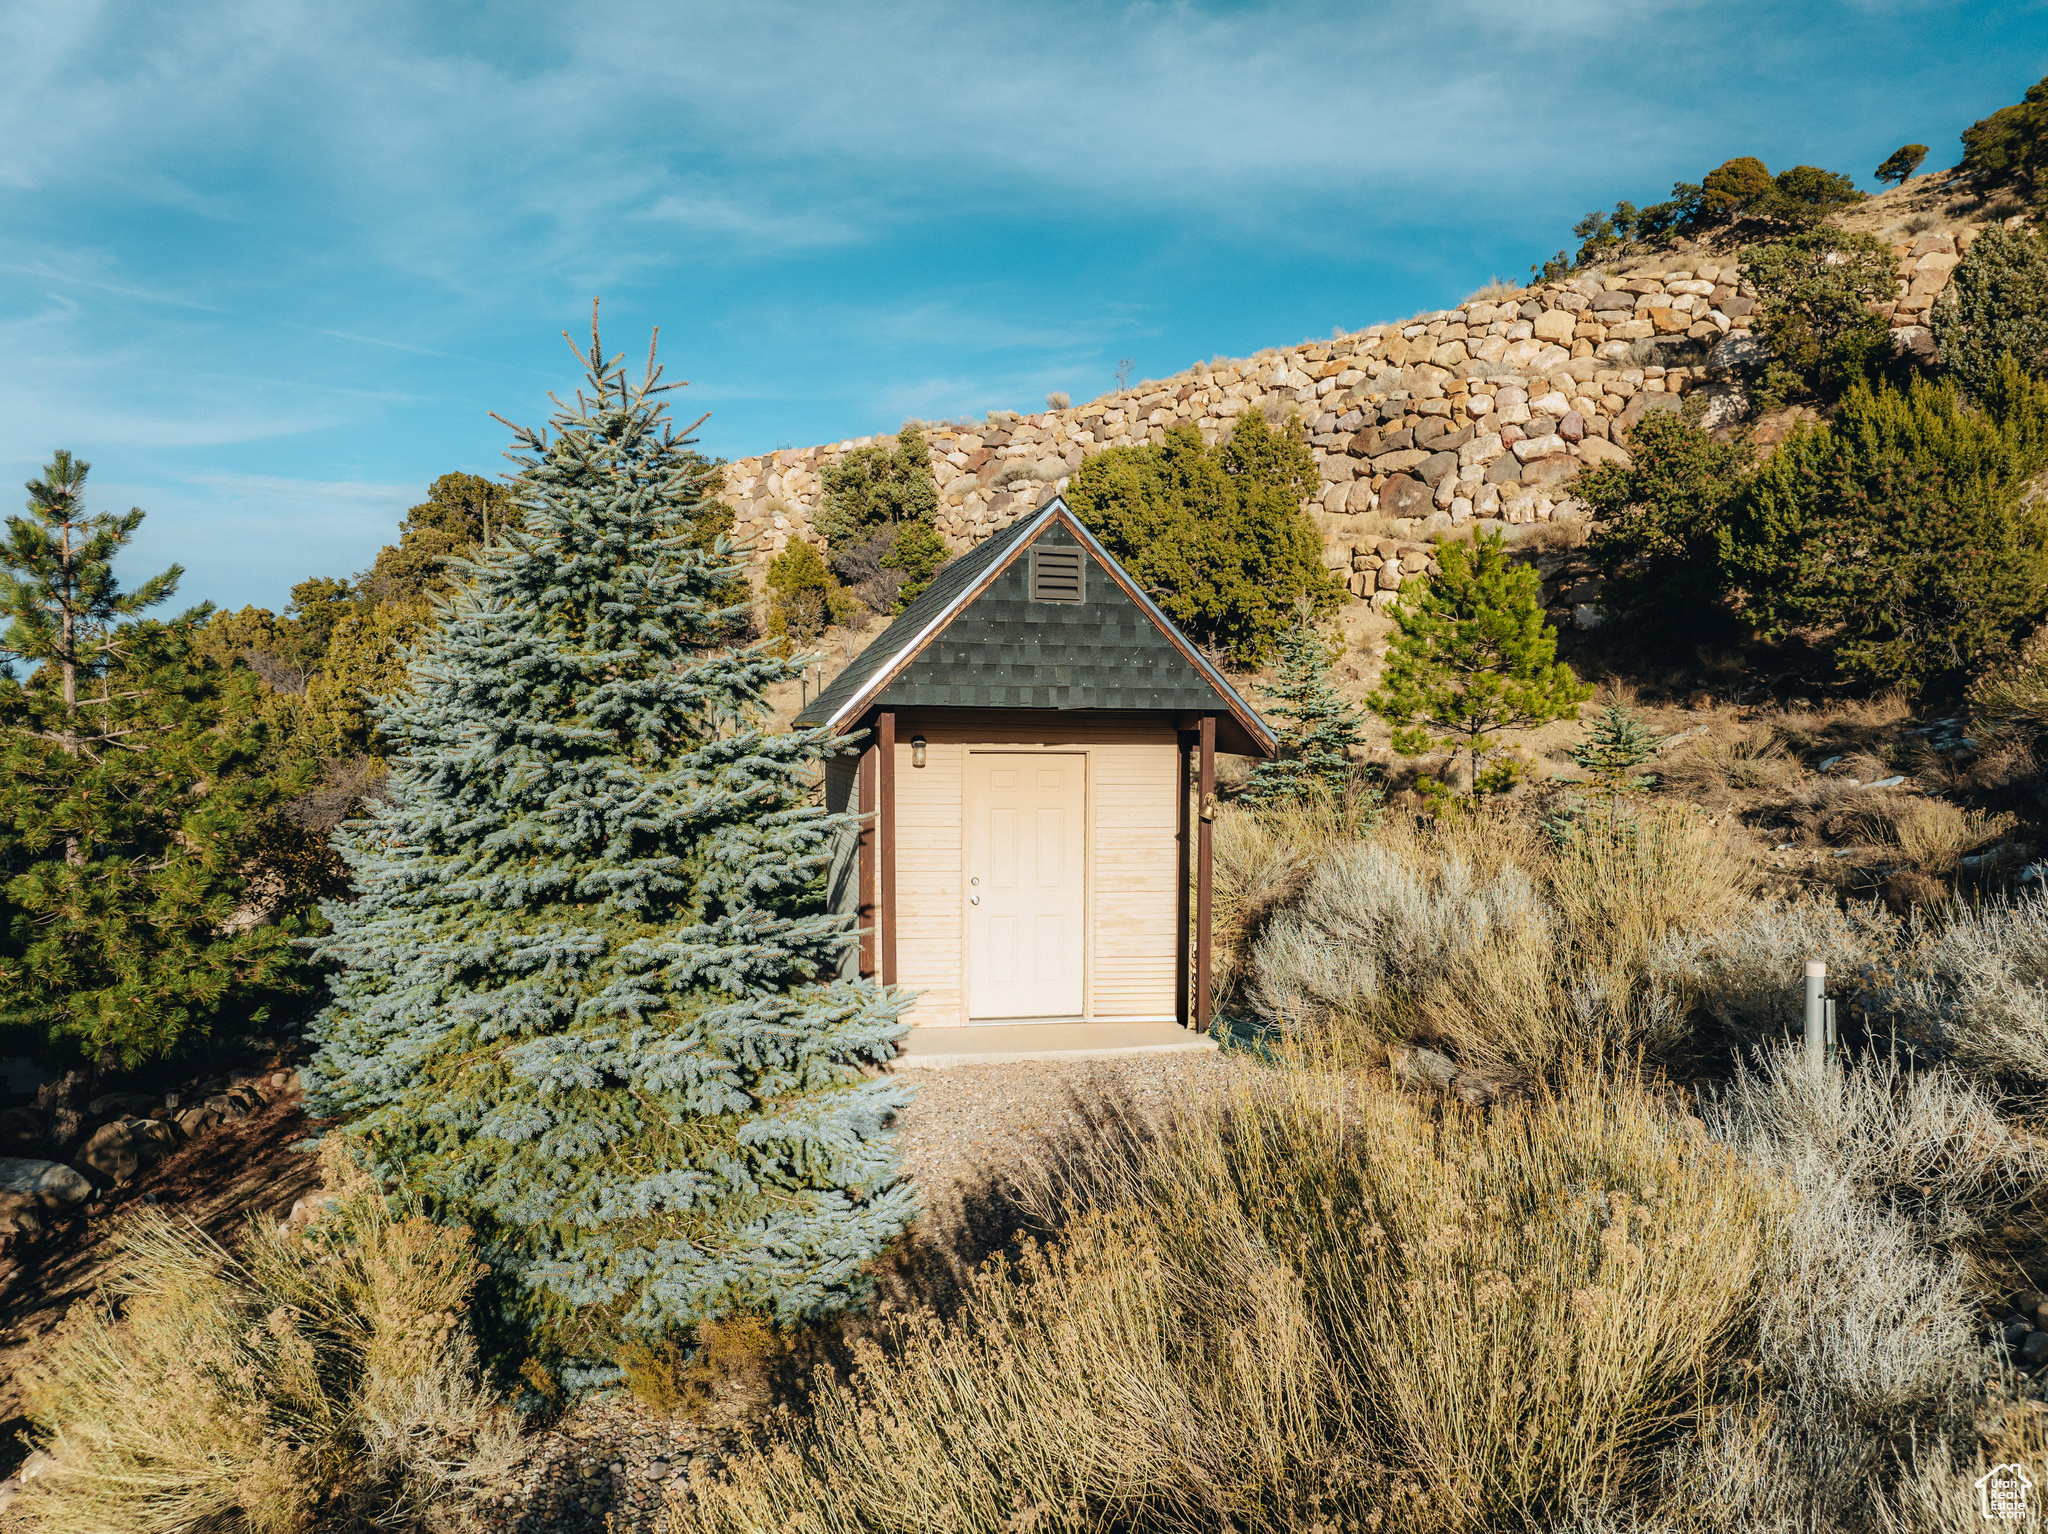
[{"x": 608, "y": 1465}]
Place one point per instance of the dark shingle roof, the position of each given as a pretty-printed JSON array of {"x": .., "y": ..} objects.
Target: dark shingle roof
[
  {"x": 951, "y": 583},
  {"x": 974, "y": 639}
]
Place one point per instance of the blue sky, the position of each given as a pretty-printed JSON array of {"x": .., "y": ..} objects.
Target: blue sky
[{"x": 270, "y": 263}]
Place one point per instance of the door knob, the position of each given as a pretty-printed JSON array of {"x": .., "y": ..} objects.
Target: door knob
[
  {"x": 974, "y": 881},
  {"x": 974, "y": 900}
]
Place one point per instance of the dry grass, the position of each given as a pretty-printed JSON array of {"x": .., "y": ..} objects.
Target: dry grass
[
  {"x": 1743, "y": 757},
  {"x": 326, "y": 1377},
  {"x": 1307, "y": 1304},
  {"x": 1745, "y": 970},
  {"x": 1494, "y": 290},
  {"x": 1933, "y": 835},
  {"x": 1978, "y": 989},
  {"x": 1843, "y": 723},
  {"x": 1263, "y": 859},
  {"x": 1524, "y": 956},
  {"x": 2013, "y": 699},
  {"x": 723, "y": 1375}
]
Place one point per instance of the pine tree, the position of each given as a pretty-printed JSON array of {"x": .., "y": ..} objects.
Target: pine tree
[
  {"x": 1474, "y": 657},
  {"x": 1899, "y": 165},
  {"x": 58, "y": 588},
  {"x": 131, "y": 800},
  {"x": 1320, "y": 724},
  {"x": 1616, "y": 745},
  {"x": 582, "y": 1003}
]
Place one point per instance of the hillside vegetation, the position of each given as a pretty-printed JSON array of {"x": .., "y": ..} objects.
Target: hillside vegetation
[{"x": 1639, "y": 635}]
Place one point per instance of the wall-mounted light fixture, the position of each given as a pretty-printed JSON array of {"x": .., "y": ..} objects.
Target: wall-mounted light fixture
[{"x": 917, "y": 750}]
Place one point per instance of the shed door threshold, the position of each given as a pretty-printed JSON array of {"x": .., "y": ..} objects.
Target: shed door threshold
[{"x": 993, "y": 1044}]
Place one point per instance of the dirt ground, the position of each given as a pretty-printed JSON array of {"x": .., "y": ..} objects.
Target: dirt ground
[{"x": 240, "y": 1170}]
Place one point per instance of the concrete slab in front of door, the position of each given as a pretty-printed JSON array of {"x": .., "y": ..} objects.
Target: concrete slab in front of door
[{"x": 996, "y": 1043}]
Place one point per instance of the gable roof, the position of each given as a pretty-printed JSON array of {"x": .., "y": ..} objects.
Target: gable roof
[{"x": 972, "y": 640}]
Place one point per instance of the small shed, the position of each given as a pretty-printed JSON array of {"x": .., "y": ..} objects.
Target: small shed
[{"x": 1038, "y": 769}]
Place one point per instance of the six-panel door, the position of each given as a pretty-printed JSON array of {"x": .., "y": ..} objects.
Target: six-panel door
[{"x": 1026, "y": 884}]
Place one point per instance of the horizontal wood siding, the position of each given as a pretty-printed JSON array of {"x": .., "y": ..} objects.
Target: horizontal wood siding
[
  {"x": 928, "y": 826},
  {"x": 1131, "y": 855},
  {"x": 1130, "y": 789}
]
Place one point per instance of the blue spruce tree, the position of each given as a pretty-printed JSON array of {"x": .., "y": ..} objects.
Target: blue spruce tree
[
  {"x": 1319, "y": 726},
  {"x": 584, "y": 999}
]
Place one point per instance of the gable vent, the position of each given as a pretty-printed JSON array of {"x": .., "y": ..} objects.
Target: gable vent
[{"x": 1056, "y": 575}]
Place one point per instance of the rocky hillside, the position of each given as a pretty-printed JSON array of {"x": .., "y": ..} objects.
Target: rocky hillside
[{"x": 1486, "y": 410}]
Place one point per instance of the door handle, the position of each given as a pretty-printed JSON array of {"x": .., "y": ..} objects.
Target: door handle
[{"x": 974, "y": 900}]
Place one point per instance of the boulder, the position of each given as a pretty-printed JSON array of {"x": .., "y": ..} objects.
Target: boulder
[
  {"x": 1400, "y": 462},
  {"x": 22, "y": 1129},
  {"x": 1415, "y": 1066},
  {"x": 1554, "y": 325},
  {"x": 1735, "y": 353},
  {"x": 53, "y": 1185},
  {"x": 1436, "y": 468},
  {"x": 1549, "y": 471},
  {"x": 1482, "y": 449},
  {"x": 196, "y": 1121},
  {"x": 1642, "y": 404},
  {"x": 1600, "y": 450},
  {"x": 1573, "y": 427},
  {"x": 154, "y": 1138},
  {"x": 1727, "y": 403},
  {"x": 1549, "y": 445},
  {"x": 1917, "y": 342},
  {"x": 1405, "y": 496},
  {"x": 111, "y": 1152},
  {"x": 120, "y": 1104}
]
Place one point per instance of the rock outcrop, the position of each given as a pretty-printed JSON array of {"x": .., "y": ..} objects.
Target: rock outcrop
[{"x": 1488, "y": 410}]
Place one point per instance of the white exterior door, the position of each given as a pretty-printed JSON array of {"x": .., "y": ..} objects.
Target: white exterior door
[{"x": 1026, "y": 883}]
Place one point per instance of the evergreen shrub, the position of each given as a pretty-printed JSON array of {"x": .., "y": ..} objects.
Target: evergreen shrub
[
  {"x": 1996, "y": 305},
  {"x": 1734, "y": 186},
  {"x": 135, "y": 795},
  {"x": 1657, "y": 520},
  {"x": 2011, "y": 146},
  {"x": 1814, "y": 291},
  {"x": 1897, "y": 533},
  {"x": 875, "y": 487},
  {"x": 1899, "y": 166},
  {"x": 1217, "y": 536},
  {"x": 584, "y": 999},
  {"x": 803, "y": 596}
]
